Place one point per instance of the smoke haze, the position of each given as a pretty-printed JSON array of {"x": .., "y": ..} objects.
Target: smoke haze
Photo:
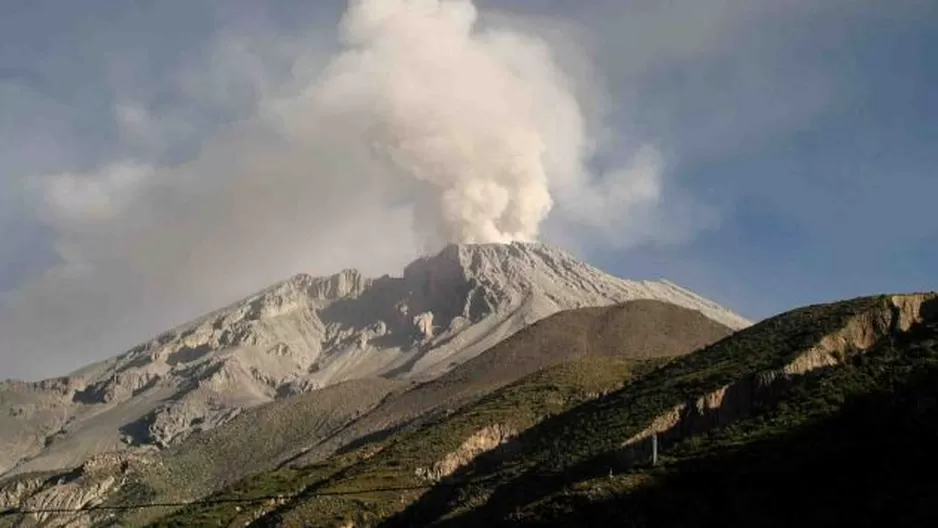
[
  {"x": 421, "y": 126},
  {"x": 483, "y": 120}
]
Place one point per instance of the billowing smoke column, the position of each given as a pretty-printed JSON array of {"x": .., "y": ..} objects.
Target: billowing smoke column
[{"x": 458, "y": 109}]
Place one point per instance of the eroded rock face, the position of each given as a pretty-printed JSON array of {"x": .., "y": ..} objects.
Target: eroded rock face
[
  {"x": 424, "y": 324},
  {"x": 736, "y": 400},
  {"x": 302, "y": 334},
  {"x": 88, "y": 485},
  {"x": 483, "y": 440}
]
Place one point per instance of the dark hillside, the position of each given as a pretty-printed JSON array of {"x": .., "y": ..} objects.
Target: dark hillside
[
  {"x": 851, "y": 446},
  {"x": 713, "y": 391}
]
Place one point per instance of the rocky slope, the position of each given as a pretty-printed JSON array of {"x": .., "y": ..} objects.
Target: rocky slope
[
  {"x": 552, "y": 446},
  {"x": 642, "y": 329},
  {"x": 820, "y": 391},
  {"x": 302, "y": 334},
  {"x": 252, "y": 442},
  {"x": 308, "y": 428}
]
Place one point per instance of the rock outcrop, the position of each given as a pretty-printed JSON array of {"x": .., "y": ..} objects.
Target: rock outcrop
[
  {"x": 483, "y": 440},
  {"x": 87, "y": 485}
]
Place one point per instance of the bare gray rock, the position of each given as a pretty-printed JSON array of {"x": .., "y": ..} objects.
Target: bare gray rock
[{"x": 302, "y": 334}]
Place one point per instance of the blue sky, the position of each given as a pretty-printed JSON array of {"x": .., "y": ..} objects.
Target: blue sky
[
  {"x": 836, "y": 204},
  {"x": 798, "y": 141}
]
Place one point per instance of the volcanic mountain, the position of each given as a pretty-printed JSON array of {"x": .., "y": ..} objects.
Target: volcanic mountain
[
  {"x": 303, "y": 334},
  {"x": 828, "y": 409}
]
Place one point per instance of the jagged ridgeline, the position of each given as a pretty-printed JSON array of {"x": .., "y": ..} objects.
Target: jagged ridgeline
[
  {"x": 820, "y": 415},
  {"x": 303, "y": 334},
  {"x": 309, "y": 366}
]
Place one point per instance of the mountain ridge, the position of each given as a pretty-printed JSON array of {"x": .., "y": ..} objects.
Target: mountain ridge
[
  {"x": 309, "y": 428},
  {"x": 305, "y": 333},
  {"x": 706, "y": 391},
  {"x": 574, "y": 461}
]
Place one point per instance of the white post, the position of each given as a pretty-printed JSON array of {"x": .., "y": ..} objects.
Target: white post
[{"x": 654, "y": 449}]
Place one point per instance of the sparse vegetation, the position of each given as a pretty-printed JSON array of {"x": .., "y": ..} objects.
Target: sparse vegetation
[
  {"x": 302, "y": 434},
  {"x": 572, "y": 420},
  {"x": 391, "y": 465},
  {"x": 849, "y": 445},
  {"x": 562, "y": 465},
  {"x": 850, "y": 437},
  {"x": 252, "y": 443}
]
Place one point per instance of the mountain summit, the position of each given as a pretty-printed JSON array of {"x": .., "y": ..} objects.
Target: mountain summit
[{"x": 302, "y": 334}]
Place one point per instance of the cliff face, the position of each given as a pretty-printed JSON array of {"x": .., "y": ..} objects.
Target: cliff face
[
  {"x": 302, "y": 334},
  {"x": 729, "y": 403},
  {"x": 86, "y": 485},
  {"x": 483, "y": 440}
]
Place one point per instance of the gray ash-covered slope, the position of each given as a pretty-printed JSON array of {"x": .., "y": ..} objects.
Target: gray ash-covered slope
[
  {"x": 302, "y": 334},
  {"x": 576, "y": 351}
]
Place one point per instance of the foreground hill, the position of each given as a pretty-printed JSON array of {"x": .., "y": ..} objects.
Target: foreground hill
[
  {"x": 853, "y": 445},
  {"x": 824, "y": 414},
  {"x": 300, "y": 335},
  {"x": 371, "y": 482},
  {"x": 796, "y": 414},
  {"x": 307, "y": 428}
]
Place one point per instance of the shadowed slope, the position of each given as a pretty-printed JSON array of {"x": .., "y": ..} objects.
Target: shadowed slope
[
  {"x": 707, "y": 390},
  {"x": 851, "y": 444}
]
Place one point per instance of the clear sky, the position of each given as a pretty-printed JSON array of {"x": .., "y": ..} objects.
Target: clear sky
[{"x": 142, "y": 183}]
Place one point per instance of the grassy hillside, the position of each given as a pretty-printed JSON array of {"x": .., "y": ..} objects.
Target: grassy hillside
[
  {"x": 298, "y": 434},
  {"x": 563, "y": 463},
  {"x": 574, "y": 452},
  {"x": 255, "y": 441},
  {"x": 745, "y": 438},
  {"x": 849, "y": 445},
  {"x": 425, "y": 421},
  {"x": 392, "y": 463},
  {"x": 264, "y": 436},
  {"x": 638, "y": 329}
]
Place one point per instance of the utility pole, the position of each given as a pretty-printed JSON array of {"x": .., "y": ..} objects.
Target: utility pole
[{"x": 654, "y": 449}]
